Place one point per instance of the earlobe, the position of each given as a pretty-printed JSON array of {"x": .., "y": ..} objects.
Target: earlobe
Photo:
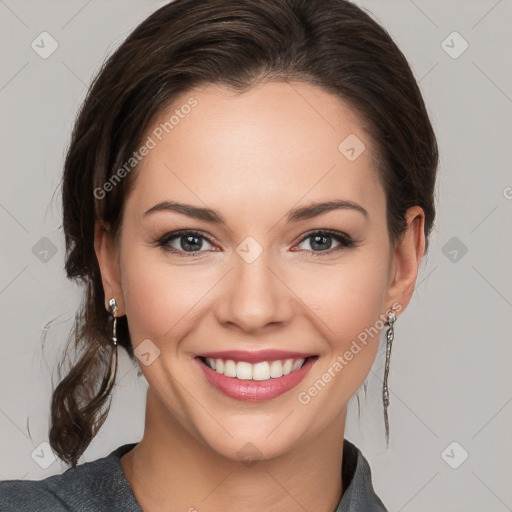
[
  {"x": 407, "y": 257},
  {"x": 106, "y": 254}
]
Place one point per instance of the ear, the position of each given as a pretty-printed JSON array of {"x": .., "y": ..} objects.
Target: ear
[
  {"x": 406, "y": 260},
  {"x": 107, "y": 255}
]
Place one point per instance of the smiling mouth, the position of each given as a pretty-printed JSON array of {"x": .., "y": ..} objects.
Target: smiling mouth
[{"x": 261, "y": 371}]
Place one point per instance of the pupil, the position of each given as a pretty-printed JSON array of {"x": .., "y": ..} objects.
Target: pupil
[
  {"x": 318, "y": 245},
  {"x": 194, "y": 246}
]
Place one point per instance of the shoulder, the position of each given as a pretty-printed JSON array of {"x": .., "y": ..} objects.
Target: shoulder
[{"x": 93, "y": 486}]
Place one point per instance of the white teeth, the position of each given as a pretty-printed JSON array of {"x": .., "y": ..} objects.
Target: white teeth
[
  {"x": 243, "y": 371},
  {"x": 230, "y": 368},
  {"x": 276, "y": 369},
  {"x": 287, "y": 366},
  {"x": 261, "y": 371},
  {"x": 264, "y": 370},
  {"x": 296, "y": 365}
]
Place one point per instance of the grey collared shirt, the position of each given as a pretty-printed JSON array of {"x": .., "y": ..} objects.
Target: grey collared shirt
[{"x": 100, "y": 486}]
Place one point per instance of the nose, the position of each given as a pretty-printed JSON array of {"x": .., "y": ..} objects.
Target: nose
[{"x": 255, "y": 295}]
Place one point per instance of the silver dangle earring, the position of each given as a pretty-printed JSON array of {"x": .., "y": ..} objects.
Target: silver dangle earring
[
  {"x": 390, "y": 334},
  {"x": 112, "y": 304}
]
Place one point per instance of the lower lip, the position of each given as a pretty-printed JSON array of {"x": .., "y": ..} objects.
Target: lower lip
[{"x": 255, "y": 390}]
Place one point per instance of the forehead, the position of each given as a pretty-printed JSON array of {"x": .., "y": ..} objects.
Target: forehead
[{"x": 277, "y": 142}]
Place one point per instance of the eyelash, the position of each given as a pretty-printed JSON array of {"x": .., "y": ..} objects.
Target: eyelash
[{"x": 344, "y": 240}]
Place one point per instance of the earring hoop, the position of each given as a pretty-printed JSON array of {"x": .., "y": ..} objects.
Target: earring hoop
[
  {"x": 390, "y": 334},
  {"x": 112, "y": 305}
]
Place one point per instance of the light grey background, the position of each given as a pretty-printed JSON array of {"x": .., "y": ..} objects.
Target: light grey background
[{"x": 450, "y": 371}]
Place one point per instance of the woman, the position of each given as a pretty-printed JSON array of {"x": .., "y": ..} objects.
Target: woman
[{"x": 247, "y": 197}]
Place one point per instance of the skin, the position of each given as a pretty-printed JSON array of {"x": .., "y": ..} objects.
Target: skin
[{"x": 253, "y": 157}]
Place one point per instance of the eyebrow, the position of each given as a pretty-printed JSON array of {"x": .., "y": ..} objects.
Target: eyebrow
[{"x": 294, "y": 215}]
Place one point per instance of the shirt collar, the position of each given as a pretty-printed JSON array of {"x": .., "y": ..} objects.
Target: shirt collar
[{"x": 358, "y": 494}]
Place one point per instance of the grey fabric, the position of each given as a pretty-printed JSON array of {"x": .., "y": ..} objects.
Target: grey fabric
[{"x": 100, "y": 486}]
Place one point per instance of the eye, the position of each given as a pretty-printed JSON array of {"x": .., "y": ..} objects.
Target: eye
[
  {"x": 188, "y": 243},
  {"x": 321, "y": 242},
  {"x": 185, "y": 243}
]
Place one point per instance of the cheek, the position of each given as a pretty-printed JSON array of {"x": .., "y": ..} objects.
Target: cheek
[
  {"x": 157, "y": 296},
  {"x": 163, "y": 300},
  {"x": 348, "y": 302},
  {"x": 348, "y": 306},
  {"x": 348, "y": 297}
]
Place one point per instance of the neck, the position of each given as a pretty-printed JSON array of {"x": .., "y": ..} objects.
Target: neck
[{"x": 170, "y": 469}]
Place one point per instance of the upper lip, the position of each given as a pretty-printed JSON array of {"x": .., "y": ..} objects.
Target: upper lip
[{"x": 255, "y": 356}]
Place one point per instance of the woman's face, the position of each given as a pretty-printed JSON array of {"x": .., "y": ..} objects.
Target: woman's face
[{"x": 261, "y": 278}]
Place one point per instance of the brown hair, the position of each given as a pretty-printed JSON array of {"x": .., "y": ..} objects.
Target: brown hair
[{"x": 238, "y": 43}]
